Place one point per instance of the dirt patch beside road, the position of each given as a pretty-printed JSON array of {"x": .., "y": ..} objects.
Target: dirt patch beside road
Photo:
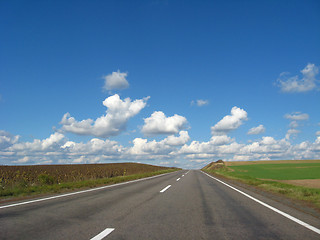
[
  {"x": 237, "y": 163},
  {"x": 311, "y": 183}
]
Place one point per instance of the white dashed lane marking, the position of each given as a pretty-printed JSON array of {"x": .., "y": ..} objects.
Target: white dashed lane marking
[{"x": 163, "y": 190}]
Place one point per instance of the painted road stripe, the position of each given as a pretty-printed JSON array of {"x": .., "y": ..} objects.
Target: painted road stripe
[
  {"x": 103, "y": 234},
  {"x": 306, "y": 225},
  {"x": 178, "y": 179},
  {"x": 84, "y": 191},
  {"x": 163, "y": 190},
  {"x": 183, "y": 175}
]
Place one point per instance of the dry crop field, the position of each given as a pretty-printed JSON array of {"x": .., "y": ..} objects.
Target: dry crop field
[{"x": 15, "y": 180}]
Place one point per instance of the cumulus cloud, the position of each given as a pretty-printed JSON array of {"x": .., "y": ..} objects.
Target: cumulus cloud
[
  {"x": 199, "y": 102},
  {"x": 166, "y": 146},
  {"x": 113, "y": 123},
  {"x": 174, "y": 148},
  {"x": 294, "y": 124},
  {"x": 267, "y": 145},
  {"x": 116, "y": 80},
  {"x": 7, "y": 139},
  {"x": 93, "y": 151},
  {"x": 182, "y": 139},
  {"x": 257, "y": 130},
  {"x": 23, "y": 160},
  {"x": 143, "y": 146},
  {"x": 292, "y": 131},
  {"x": 230, "y": 122},
  {"x": 297, "y": 116},
  {"x": 58, "y": 149},
  {"x": 267, "y": 148},
  {"x": 295, "y": 84},
  {"x": 158, "y": 123},
  {"x": 220, "y": 140},
  {"x": 213, "y": 146},
  {"x": 49, "y": 144}
]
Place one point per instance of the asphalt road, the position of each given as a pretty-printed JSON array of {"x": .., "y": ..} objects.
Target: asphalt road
[{"x": 194, "y": 207}]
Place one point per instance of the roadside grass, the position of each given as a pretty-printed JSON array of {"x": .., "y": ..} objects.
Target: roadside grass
[
  {"x": 311, "y": 196},
  {"x": 48, "y": 184}
]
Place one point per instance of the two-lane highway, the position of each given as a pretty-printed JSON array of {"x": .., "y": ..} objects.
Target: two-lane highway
[{"x": 180, "y": 205}]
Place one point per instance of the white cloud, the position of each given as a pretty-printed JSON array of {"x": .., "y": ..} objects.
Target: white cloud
[
  {"x": 198, "y": 160},
  {"x": 200, "y": 102},
  {"x": 158, "y": 123},
  {"x": 294, "y": 124},
  {"x": 267, "y": 148},
  {"x": 7, "y": 139},
  {"x": 196, "y": 147},
  {"x": 292, "y": 131},
  {"x": 230, "y": 122},
  {"x": 318, "y": 133},
  {"x": 49, "y": 144},
  {"x": 113, "y": 123},
  {"x": 94, "y": 146},
  {"x": 220, "y": 140},
  {"x": 143, "y": 146},
  {"x": 268, "y": 145},
  {"x": 297, "y": 116},
  {"x": 164, "y": 163},
  {"x": 268, "y": 141},
  {"x": 241, "y": 158},
  {"x": 200, "y": 156},
  {"x": 57, "y": 149},
  {"x": 304, "y": 84},
  {"x": 257, "y": 130},
  {"x": 213, "y": 146},
  {"x": 23, "y": 160},
  {"x": 177, "y": 141},
  {"x": 116, "y": 80},
  {"x": 229, "y": 149}
]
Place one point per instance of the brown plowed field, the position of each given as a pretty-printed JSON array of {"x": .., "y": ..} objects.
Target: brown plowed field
[
  {"x": 312, "y": 183},
  {"x": 236, "y": 163}
]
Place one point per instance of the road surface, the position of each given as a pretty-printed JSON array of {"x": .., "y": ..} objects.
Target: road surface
[{"x": 179, "y": 205}]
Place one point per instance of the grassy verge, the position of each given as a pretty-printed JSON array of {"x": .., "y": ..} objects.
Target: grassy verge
[
  {"x": 46, "y": 188},
  {"x": 311, "y": 196}
]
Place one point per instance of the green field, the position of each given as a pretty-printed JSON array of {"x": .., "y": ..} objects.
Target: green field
[
  {"x": 285, "y": 171},
  {"x": 274, "y": 177}
]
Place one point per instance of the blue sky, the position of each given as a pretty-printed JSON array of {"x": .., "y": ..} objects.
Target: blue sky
[{"x": 236, "y": 80}]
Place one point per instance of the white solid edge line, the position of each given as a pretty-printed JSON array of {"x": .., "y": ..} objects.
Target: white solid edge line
[
  {"x": 84, "y": 191},
  {"x": 178, "y": 179},
  {"x": 103, "y": 234},
  {"x": 163, "y": 190},
  {"x": 306, "y": 225}
]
